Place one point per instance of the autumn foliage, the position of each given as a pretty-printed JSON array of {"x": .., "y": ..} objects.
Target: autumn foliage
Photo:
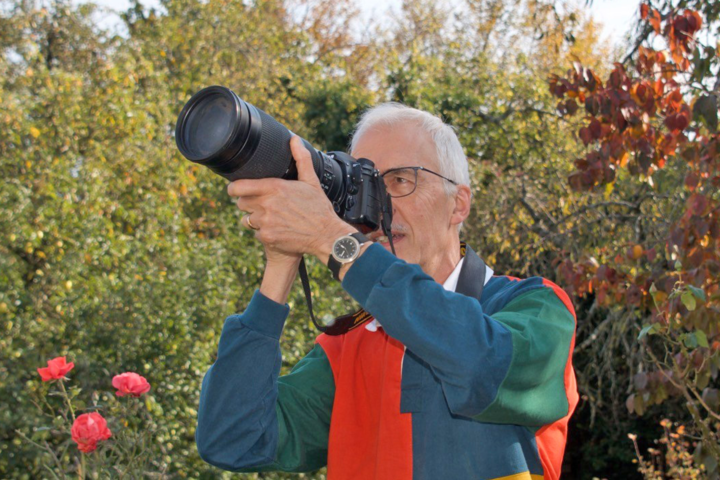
[{"x": 655, "y": 119}]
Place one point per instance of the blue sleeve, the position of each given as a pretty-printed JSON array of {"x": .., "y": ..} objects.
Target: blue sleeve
[
  {"x": 492, "y": 368},
  {"x": 237, "y": 421},
  {"x": 249, "y": 420}
]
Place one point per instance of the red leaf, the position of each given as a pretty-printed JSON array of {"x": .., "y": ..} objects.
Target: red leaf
[
  {"x": 715, "y": 228},
  {"x": 608, "y": 174},
  {"x": 674, "y": 99},
  {"x": 585, "y": 135},
  {"x": 677, "y": 122},
  {"x": 592, "y": 105},
  {"x": 655, "y": 21},
  {"x": 616, "y": 78},
  {"x": 691, "y": 180},
  {"x": 680, "y": 26},
  {"x": 571, "y": 106},
  {"x": 683, "y": 120},
  {"x": 633, "y": 295},
  {"x": 696, "y": 257},
  {"x": 590, "y": 80},
  {"x": 644, "y": 9},
  {"x": 698, "y": 204},
  {"x": 694, "y": 20},
  {"x": 701, "y": 227},
  {"x": 601, "y": 271},
  {"x": 576, "y": 182}
]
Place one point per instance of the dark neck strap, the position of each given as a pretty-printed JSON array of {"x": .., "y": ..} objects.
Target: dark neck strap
[{"x": 472, "y": 274}]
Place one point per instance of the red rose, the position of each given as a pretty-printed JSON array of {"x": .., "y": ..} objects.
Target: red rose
[
  {"x": 88, "y": 429},
  {"x": 130, "y": 383},
  {"x": 56, "y": 369}
]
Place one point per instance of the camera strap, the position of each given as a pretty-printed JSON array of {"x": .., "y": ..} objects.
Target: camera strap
[{"x": 308, "y": 294}]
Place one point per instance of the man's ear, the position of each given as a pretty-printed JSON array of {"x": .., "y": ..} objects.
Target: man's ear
[{"x": 461, "y": 211}]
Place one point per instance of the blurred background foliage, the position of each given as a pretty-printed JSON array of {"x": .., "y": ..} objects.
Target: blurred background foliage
[{"x": 118, "y": 253}]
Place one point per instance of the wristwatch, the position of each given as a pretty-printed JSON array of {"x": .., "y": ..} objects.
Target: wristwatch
[{"x": 345, "y": 250}]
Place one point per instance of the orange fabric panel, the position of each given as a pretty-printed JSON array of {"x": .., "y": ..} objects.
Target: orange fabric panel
[
  {"x": 551, "y": 438},
  {"x": 369, "y": 437}
]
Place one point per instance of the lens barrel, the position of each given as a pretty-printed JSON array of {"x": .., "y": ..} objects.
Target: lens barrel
[
  {"x": 231, "y": 137},
  {"x": 235, "y": 139}
]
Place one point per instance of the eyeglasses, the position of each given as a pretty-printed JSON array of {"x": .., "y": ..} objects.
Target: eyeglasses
[{"x": 402, "y": 181}]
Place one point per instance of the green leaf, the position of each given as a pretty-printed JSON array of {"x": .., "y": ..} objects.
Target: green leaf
[
  {"x": 701, "y": 338},
  {"x": 706, "y": 108},
  {"x": 688, "y": 299},
  {"x": 651, "y": 329},
  {"x": 639, "y": 404},
  {"x": 711, "y": 396},
  {"x": 689, "y": 340},
  {"x": 74, "y": 392},
  {"x": 715, "y": 359},
  {"x": 702, "y": 379},
  {"x": 698, "y": 292}
]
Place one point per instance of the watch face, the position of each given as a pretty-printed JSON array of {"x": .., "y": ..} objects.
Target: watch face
[{"x": 345, "y": 248}]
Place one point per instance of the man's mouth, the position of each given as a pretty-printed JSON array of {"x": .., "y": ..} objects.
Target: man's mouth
[{"x": 383, "y": 239}]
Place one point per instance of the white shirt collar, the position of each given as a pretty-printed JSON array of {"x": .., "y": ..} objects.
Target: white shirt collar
[
  {"x": 451, "y": 282},
  {"x": 450, "y": 285}
]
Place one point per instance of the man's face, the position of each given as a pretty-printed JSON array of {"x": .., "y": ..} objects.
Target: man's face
[{"x": 424, "y": 222}]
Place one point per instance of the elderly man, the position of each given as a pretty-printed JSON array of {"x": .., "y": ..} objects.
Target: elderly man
[{"x": 439, "y": 384}]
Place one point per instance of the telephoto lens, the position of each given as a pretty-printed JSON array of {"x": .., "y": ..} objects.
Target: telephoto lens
[{"x": 235, "y": 139}]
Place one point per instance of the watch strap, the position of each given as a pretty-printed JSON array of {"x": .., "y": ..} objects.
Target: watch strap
[{"x": 334, "y": 265}]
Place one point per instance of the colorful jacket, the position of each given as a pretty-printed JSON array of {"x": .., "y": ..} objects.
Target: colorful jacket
[{"x": 449, "y": 387}]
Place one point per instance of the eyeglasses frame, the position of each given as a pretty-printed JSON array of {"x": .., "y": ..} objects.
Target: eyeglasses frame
[{"x": 416, "y": 176}]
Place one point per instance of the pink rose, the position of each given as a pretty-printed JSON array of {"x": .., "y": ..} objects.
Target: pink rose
[
  {"x": 88, "y": 429},
  {"x": 56, "y": 369},
  {"x": 130, "y": 383}
]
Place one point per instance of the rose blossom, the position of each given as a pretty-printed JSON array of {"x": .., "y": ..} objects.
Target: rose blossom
[
  {"x": 56, "y": 369},
  {"x": 130, "y": 383},
  {"x": 88, "y": 429}
]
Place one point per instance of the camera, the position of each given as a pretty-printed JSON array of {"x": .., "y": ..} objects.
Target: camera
[{"x": 237, "y": 140}]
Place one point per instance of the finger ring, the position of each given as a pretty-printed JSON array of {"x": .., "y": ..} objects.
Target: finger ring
[{"x": 250, "y": 224}]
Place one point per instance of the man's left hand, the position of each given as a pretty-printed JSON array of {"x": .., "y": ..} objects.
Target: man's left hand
[{"x": 291, "y": 216}]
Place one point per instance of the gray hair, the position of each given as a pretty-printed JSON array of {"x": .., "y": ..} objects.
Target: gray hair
[{"x": 449, "y": 152}]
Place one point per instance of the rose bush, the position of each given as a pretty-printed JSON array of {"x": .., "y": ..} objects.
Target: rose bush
[{"x": 126, "y": 454}]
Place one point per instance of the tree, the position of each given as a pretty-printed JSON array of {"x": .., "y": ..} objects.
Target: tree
[{"x": 652, "y": 126}]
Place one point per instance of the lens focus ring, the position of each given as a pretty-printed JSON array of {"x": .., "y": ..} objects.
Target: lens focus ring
[{"x": 272, "y": 157}]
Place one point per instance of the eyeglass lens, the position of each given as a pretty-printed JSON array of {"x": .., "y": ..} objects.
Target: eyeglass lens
[{"x": 400, "y": 183}]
